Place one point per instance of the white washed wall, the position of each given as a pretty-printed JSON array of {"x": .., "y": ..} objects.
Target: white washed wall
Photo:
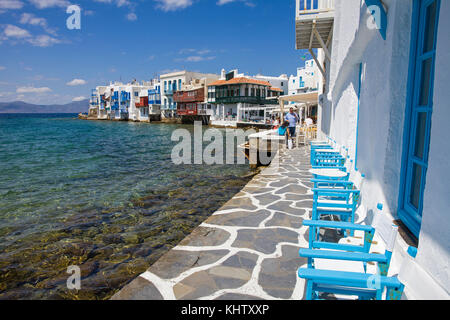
[{"x": 381, "y": 118}]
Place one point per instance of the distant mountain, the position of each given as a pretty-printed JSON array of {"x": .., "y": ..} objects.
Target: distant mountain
[{"x": 23, "y": 107}]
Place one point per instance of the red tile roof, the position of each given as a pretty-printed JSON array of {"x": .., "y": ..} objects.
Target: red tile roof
[
  {"x": 239, "y": 81},
  {"x": 276, "y": 89}
]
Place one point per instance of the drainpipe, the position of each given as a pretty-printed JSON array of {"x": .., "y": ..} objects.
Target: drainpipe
[{"x": 357, "y": 115}]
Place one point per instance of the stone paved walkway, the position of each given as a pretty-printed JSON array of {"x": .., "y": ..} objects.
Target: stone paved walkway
[{"x": 246, "y": 250}]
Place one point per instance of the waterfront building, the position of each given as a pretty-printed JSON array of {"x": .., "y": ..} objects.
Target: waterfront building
[
  {"x": 149, "y": 106},
  {"x": 385, "y": 66},
  {"x": 192, "y": 102},
  {"x": 240, "y": 99},
  {"x": 119, "y": 101},
  {"x": 172, "y": 82},
  {"x": 94, "y": 104}
]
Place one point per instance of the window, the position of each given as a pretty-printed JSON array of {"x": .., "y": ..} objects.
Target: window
[
  {"x": 418, "y": 114},
  {"x": 136, "y": 94}
]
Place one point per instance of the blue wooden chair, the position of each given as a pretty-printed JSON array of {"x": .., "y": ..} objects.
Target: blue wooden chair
[
  {"x": 345, "y": 282},
  {"x": 337, "y": 197},
  {"x": 364, "y": 286},
  {"x": 328, "y": 155}
]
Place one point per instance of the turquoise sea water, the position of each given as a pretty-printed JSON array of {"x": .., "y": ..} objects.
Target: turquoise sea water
[{"x": 101, "y": 195}]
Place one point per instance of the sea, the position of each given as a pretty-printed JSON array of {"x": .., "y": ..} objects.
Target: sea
[{"x": 102, "y": 196}]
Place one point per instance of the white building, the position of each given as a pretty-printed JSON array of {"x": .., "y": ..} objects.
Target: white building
[
  {"x": 172, "y": 82},
  {"x": 281, "y": 82},
  {"x": 117, "y": 101},
  {"x": 306, "y": 80},
  {"x": 386, "y": 100},
  {"x": 237, "y": 98}
]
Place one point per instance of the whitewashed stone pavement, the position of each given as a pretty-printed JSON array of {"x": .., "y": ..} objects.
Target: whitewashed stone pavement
[{"x": 248, "y": 249}]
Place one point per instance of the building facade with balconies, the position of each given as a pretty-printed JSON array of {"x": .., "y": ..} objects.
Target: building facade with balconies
[
  {"x": 119, "y": 101},
  {"x": 172, "y": 82},
  {"x": 192, "y": 104},
  {"x": 240, "y": 99}
]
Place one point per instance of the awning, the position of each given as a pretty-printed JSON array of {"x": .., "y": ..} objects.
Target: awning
[{"x": 309, "y": 98}]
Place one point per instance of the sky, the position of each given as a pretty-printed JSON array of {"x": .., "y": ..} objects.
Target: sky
[{"x": 44, "y": 62}]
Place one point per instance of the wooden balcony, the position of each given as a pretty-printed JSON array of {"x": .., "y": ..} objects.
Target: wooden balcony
[
  {"x": 197, "y": 95},
  {"x": 246, "y": 99},
  {"x": 142, "y": 103},
  {"x": 312, "y": 16}
]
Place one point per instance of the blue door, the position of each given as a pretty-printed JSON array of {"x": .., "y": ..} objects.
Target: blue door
[{"x": 419, "y": 111}]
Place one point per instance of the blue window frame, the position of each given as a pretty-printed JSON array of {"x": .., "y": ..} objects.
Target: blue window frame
[{"x": 416, "y": 140}]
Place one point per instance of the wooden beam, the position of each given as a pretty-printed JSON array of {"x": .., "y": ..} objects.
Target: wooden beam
[
  {"x": 317, "y": 63},
  {"x": 330, "y": 35},
  {"x": 324, "y": 47}
]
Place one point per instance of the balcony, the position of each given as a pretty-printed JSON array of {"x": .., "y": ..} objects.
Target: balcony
[
  {"x": 142, "y": 103},
  {"x": 169, "y": 92},
  {"x": 197, "y": 95},
  {"x": 312, "y": 16},
  {"x": 242, "y": 99}
]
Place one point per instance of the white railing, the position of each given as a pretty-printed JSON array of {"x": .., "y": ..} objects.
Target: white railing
[{"x": 313, "y": 6}]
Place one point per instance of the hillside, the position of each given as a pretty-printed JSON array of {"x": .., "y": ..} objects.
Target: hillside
[{"x": 23, "y": 107}]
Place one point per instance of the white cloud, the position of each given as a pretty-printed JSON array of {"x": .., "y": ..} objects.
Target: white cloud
[
  {"x": 2, "y": 68},
  {"x": 118, "y": 3},
  {"x": 29, "y": 18},
  {"x": 12, "y": 31},
  {"x": 246, "y": 2},
  {"x": 33, "y": 90},
  {"x": 196, "y": 59},
  {"x": 15, "y": 33},
  {"x": 131, "y": 16},
  {"x": 172, "y": 5},
  {"x": 76, "y": 82},
  {"x": 43, "y": 41},
  {"x": 80, "y": 98},
  {"x": 195, "y": 55},
  {"x": 123, "y": 3},
  {"x": 11, "y": 4},
  {"x": 43, "y": 4}
]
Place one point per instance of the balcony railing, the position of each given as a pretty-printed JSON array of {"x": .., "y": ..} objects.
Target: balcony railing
[
  {"x": 243, "y": 99},
  {"x": 305, "y": 7}
]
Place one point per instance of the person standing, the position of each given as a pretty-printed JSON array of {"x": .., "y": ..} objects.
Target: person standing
[{"x": 292, "y": 118}]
